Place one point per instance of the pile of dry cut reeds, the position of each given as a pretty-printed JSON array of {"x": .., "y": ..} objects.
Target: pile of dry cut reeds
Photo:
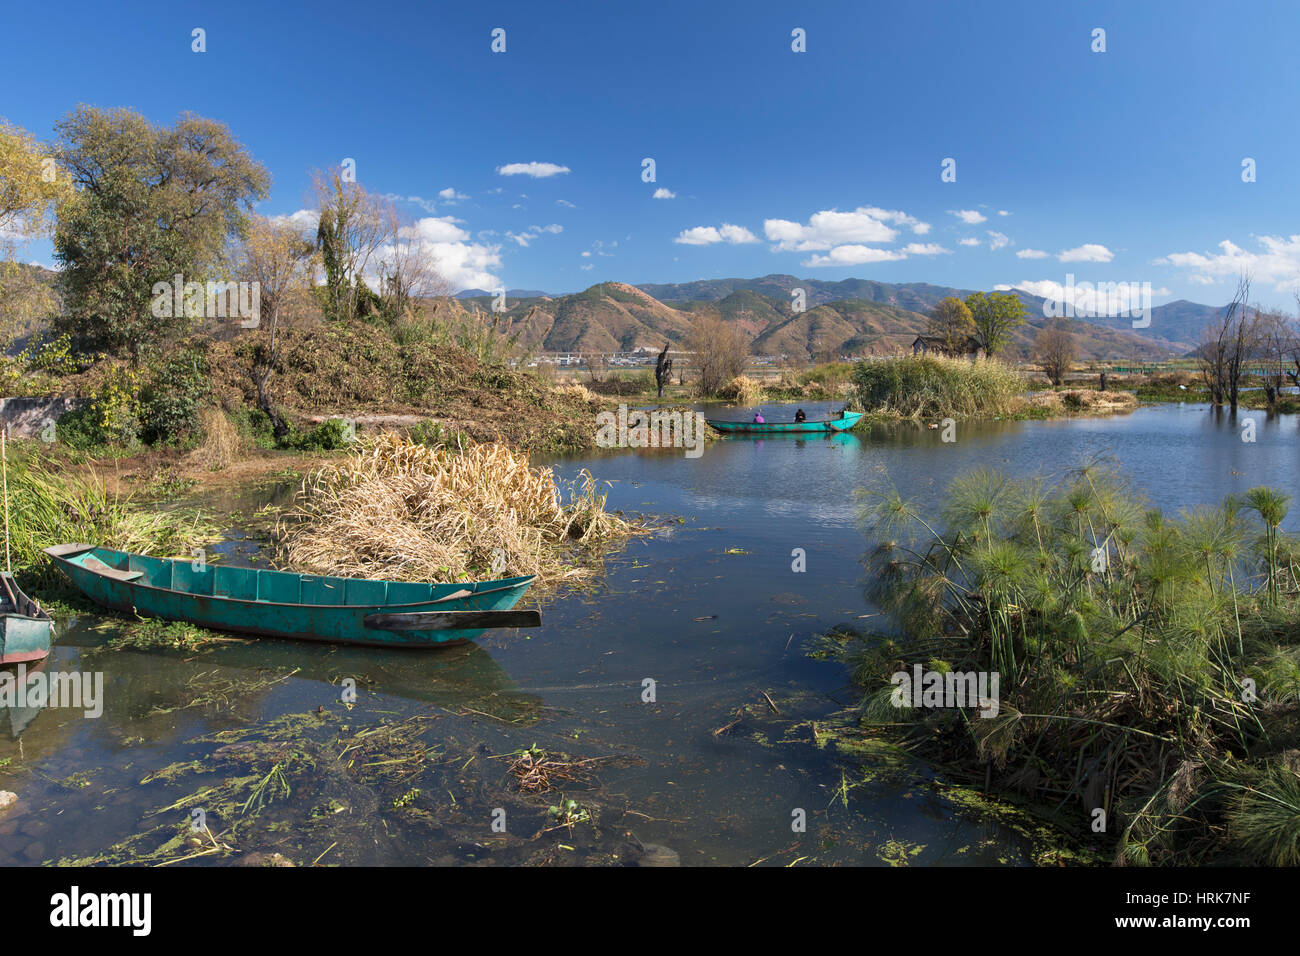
[{"x": 401, "y": 510}]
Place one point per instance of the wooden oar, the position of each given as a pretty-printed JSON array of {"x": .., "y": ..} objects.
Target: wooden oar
[{"x": 452, "y": 620}]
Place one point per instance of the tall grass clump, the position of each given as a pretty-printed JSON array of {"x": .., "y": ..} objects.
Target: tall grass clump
[
  {"x": 742, "y": 390},
  {"x": 48, "y": 506},
  {"x": 1149, "y": 664},
  {"x": 935, "y": 386},
  {"x": 221, "y": 443},
  {"x": 399, "y": 509}
]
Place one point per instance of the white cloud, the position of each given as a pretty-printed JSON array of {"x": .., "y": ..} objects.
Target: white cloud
[
  {"x": 968, "y": 242},
  {"x": 588, "y": 267},
  {"x": 1277, "y": 262},
  {"x": 1031, "y": 254},
  {"x": 1119, "y": 298},
  {"x": 535, "y": 170},
  {"x": 434, "y": 229},
  {"x": 443, "y": 244},
  {"x": 1088, "y": 252},
  {"x": 662, "y": 193},
  {"x": 854, "y": 255},
  {"x": 924, "y": 249},
  {"x": 449, "y": 195},
  {"x": 565, "y": 203},
  {"x": 830, "y": 227},
  {"x": 304, "y": 220},
  {"x": 997, "y": 240},
  {"x": 708, "y": 235},
  {"x": 1003, "y": 212},
  {"x": 532, "y": 232},
  {"x": 971, "y": 217}
]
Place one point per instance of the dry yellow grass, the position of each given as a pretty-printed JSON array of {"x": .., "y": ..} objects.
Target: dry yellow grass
[
  {"x": 221, "y": 443},
  {"x": 400, "y": 510},
  {"x": 1085, "y": 401},
  {"x": 579, "y": 391},
  {"x": 742, "y": 390}
]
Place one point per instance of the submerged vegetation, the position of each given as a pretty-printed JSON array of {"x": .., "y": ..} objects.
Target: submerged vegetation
[
  {"x": 398, "y": 509},
  {"x": 1149, "y": 665}
]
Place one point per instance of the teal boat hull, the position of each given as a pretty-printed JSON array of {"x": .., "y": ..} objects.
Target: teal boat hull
[
  {"x": 25, "y": 630},
  {"x": 283, "y": 604},
  {"x": 829, "y": 425}
]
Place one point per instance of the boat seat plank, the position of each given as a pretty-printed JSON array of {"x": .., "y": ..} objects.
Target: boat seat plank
[
  {"x": 68, "y": 550},
  {"x": 104, "y": 571}
]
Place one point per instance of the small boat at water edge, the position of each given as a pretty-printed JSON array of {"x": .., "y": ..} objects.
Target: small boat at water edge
[
  {"x": 285, "y": 604},
  {"x": 846, "y": 421},
  {"x": 25, "y": 628}
]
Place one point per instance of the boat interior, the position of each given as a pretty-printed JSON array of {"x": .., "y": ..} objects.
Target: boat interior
[
  {"x": 274, "y": 587},
  {"x": 14, "y": 601}
]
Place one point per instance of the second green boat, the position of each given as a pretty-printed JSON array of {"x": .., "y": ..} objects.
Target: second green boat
[{"x": 846, "y": 421}]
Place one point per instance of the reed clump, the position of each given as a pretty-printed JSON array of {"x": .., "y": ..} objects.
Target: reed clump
[
  {"x": 402, "y": 510},
  {"x": 742, "y": 390},
  {"x": 1149, "y": 665},
  {"x": 221, "y": 444},
  {"x": 52, "y": 506},
  {"x": 935, "y": 386}
]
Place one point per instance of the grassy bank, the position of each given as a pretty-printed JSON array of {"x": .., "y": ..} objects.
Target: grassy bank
[
  {"x": 932, "y": 387},
  {"x": 52, "y": 504},
  {"x": 1149, "y": 665}
]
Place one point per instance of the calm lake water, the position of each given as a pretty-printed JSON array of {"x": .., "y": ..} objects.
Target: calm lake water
[{"x": 255, "y": 737}]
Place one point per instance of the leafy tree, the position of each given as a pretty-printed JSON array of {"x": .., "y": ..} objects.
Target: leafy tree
[
  {"x": 30, "y": 190},
  {"x": 950, "y": 320},
  {"x": 150, "y": 203},
  {"x": 995, "y": 315}
]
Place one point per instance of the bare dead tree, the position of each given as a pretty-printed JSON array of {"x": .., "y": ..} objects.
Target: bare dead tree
[
  {"x": 663, "y": 370},
  {"x": 405, "y": 265},
  {"x": 721, "y": 352},
  {"x": 1226, "y": 345},
  {"x": 1054, "y": 347}
]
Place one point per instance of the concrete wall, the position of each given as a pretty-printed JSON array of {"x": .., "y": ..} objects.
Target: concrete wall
[{"x": 29, "y": 417}]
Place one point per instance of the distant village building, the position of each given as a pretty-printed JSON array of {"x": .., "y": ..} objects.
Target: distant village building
[{"x": 972, "y": 348}]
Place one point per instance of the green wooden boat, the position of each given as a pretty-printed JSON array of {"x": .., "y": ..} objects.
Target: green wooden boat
[
  {"x": 846, "y": 421},
  {"x": 309, "y": 607},
  {"x": 25, "y": 629}
]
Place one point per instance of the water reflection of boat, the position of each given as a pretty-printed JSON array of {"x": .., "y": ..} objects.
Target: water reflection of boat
[
  {"x": 20, "y": 717},
  {"x": 310, "y": 607},
  {"x": 25, "y": 629},
  {"x": 463, "y": 676}
]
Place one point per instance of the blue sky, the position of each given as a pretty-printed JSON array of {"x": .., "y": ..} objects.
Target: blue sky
[{"x": 1117, "y": 166}]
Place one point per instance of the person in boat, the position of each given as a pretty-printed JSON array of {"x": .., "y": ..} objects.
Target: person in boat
[
  {"x": 759, "y": 419},
  {"x": 799, "y": 416}
]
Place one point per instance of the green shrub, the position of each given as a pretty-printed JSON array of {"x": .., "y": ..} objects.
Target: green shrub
[
  {"x": 80, "y": 428},
  {"x": 170, "y": 398},
  {"x": 330, "y": 435},
  {"x": 254, "y": 426}
]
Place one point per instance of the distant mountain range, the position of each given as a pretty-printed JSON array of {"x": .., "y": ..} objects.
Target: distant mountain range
[{"x": 851, "y": 316}]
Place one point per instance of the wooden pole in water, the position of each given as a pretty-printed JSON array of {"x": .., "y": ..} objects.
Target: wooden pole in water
[{"x": 4, "y": 478}]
